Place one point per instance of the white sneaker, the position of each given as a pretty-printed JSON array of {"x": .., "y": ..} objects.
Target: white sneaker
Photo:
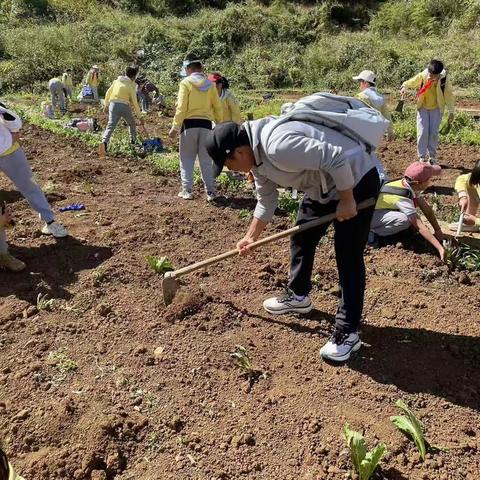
[
  {"x": 288, "y": 303},
  {"x": 186, "y": 195},
  {"x": 465, "y": 228},
  {"x": 340, "y": 346},
  {"x": 211, "y": 196},
  {"x": 422, "y": 160},
  {"x": 56, "y": 229}
]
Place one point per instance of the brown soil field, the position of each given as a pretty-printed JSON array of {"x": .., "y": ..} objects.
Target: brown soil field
[{"x": 110, "y": 384}]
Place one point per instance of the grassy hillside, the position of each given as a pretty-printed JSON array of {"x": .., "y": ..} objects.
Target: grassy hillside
[{"x": 264, "y": 45}]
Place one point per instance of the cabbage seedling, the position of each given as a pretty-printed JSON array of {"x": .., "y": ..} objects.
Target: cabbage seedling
[
  {"x": 240, "y": 355},
  {"x": 160, "y": 265},
  {"x": 364, "y": 463},
  {"x": 411, "y": 426}
]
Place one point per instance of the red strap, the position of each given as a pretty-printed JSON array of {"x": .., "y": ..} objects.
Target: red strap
[{"x": 425, "y": 87}]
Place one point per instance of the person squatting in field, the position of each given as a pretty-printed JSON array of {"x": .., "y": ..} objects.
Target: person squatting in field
[
  {"x": 121, "y": 102},
  {"x": 198, "y": 105},
  {"x": 434, "y": 93},
  {"x": 14, "y": 164},
  {"x": 335, "y": 172},
  {"x": 467, "y": 187},
  {"x": 396, "y": 208}
]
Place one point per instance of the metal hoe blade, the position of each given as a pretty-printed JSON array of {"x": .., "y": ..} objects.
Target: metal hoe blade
[{"x": 169, "y": 288}]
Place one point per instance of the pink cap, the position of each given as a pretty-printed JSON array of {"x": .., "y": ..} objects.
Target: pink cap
[{"x": 421, "y": 171}]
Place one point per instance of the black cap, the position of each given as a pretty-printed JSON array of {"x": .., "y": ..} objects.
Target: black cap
[{"x": 222, "y": 141}]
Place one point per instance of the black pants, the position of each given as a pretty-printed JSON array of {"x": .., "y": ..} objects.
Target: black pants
[{"x": 350, "y": 240}]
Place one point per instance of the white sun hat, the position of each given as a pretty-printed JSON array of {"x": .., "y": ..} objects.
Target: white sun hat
[{"x": 366, "y": 76}]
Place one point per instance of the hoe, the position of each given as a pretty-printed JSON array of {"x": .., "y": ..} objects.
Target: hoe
[{"x": 170, "y": 284}]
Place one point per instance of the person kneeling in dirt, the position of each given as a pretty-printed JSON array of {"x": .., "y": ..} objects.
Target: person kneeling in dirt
[
  {"x": 6, "y": 470},
  {"x": 369, "y": 94},
  {"x": 467, "y": 187},
  {"x": 7, "y": 261},
  {"x": 121, "y": 101},
  {"x": 14, "y": 164},
  {"x": 396, "y": 208},
  {"x": 335, "y": 172}
]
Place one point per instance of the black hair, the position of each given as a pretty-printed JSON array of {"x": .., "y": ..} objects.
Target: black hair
[
  {"x": 371, "y": 84},
  {"x": 195, "y": 61},
  {"x": 435, "y": 67},
  {"x": 475, "y": 178},
  {"x": 131, "y": 71},
  {"x": 4, "y": 468},
  {"x": 68, "y": 70},
  {"x": 225, "y": 83}
]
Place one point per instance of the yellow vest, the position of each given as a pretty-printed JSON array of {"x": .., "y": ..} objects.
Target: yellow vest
[{"x": 388, "y": 201}]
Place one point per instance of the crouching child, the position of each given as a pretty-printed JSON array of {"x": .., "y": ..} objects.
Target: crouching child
[
  {"x": 467, "y": 187},
  {"x": 396, "y": 208}
]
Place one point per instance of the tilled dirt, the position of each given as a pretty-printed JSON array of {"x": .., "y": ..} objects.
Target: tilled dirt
[{"x": 110, "y": 384}]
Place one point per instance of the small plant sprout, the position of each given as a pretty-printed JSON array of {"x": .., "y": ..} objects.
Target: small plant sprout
[
  {"x": 62, "y": 362},
  {"x": 242, "y": 359},
  {"x": 364, "y": 463},
  {"x": 44, "y": 303},
  {"x": 410, "y": 426},
  {"x": 160, "y": 265}
]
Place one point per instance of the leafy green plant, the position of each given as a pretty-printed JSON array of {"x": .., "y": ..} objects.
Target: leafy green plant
[
  {"x": 245, "y": 214},
  {"x": 409, "y": 425},
  {"x": 364, "y": 462},
  {"x": 62, "y": 362},
  {"x": 460, "y": 256},
  {"x": 242, "y": 359},
  {"x": 160, "y": 264},
  {"x": 44, "y": 303},
  {"x": 289, "y": 205}
]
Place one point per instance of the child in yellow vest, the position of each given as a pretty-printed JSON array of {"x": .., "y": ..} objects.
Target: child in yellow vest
[
  {"x": 369, "y": 94},
  {"x": 434, "y": 93},
  {"x": 396, "y": 208},
  {"x": 68, "y": 83},
  {"x": 467, "y": 187},
  {"x": 231, "y": 109},
  {"x": 93, "y": 81},
  {"x": 198, "y": 105}
]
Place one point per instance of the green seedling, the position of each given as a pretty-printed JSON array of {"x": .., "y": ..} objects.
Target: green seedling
[
  {"x": 63, "y": 363},
  {"x": 49, "y": 187},
  {"x": 364, "y": 463},
  {"x": 242, "y": 359},
  {"x": 245, "y": 214},
  {"x": 99, "y": 275},
  {"x": 160, "y": 265},
  {"x": 409, "y": 425},
  {"x": 461, "y": 256},
  {"x": 44, "y": 303}
]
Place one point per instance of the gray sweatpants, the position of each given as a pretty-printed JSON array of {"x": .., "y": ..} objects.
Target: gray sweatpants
[
  {"x": 15, "y": 166},
  {"x": 192, "y": 144},
  {"x": 117, "y": 111},
  {"x": 57, "y": 95},
  {"x": 428, "y": 125},
  {"x": 389, "y": 222}
]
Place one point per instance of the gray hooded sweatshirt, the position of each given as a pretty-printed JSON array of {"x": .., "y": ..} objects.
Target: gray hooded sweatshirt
[{"x": 313, "y": 158}]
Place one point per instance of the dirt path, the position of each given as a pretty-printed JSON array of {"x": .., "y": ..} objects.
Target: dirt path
[{"x": 122, "y": 411}]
